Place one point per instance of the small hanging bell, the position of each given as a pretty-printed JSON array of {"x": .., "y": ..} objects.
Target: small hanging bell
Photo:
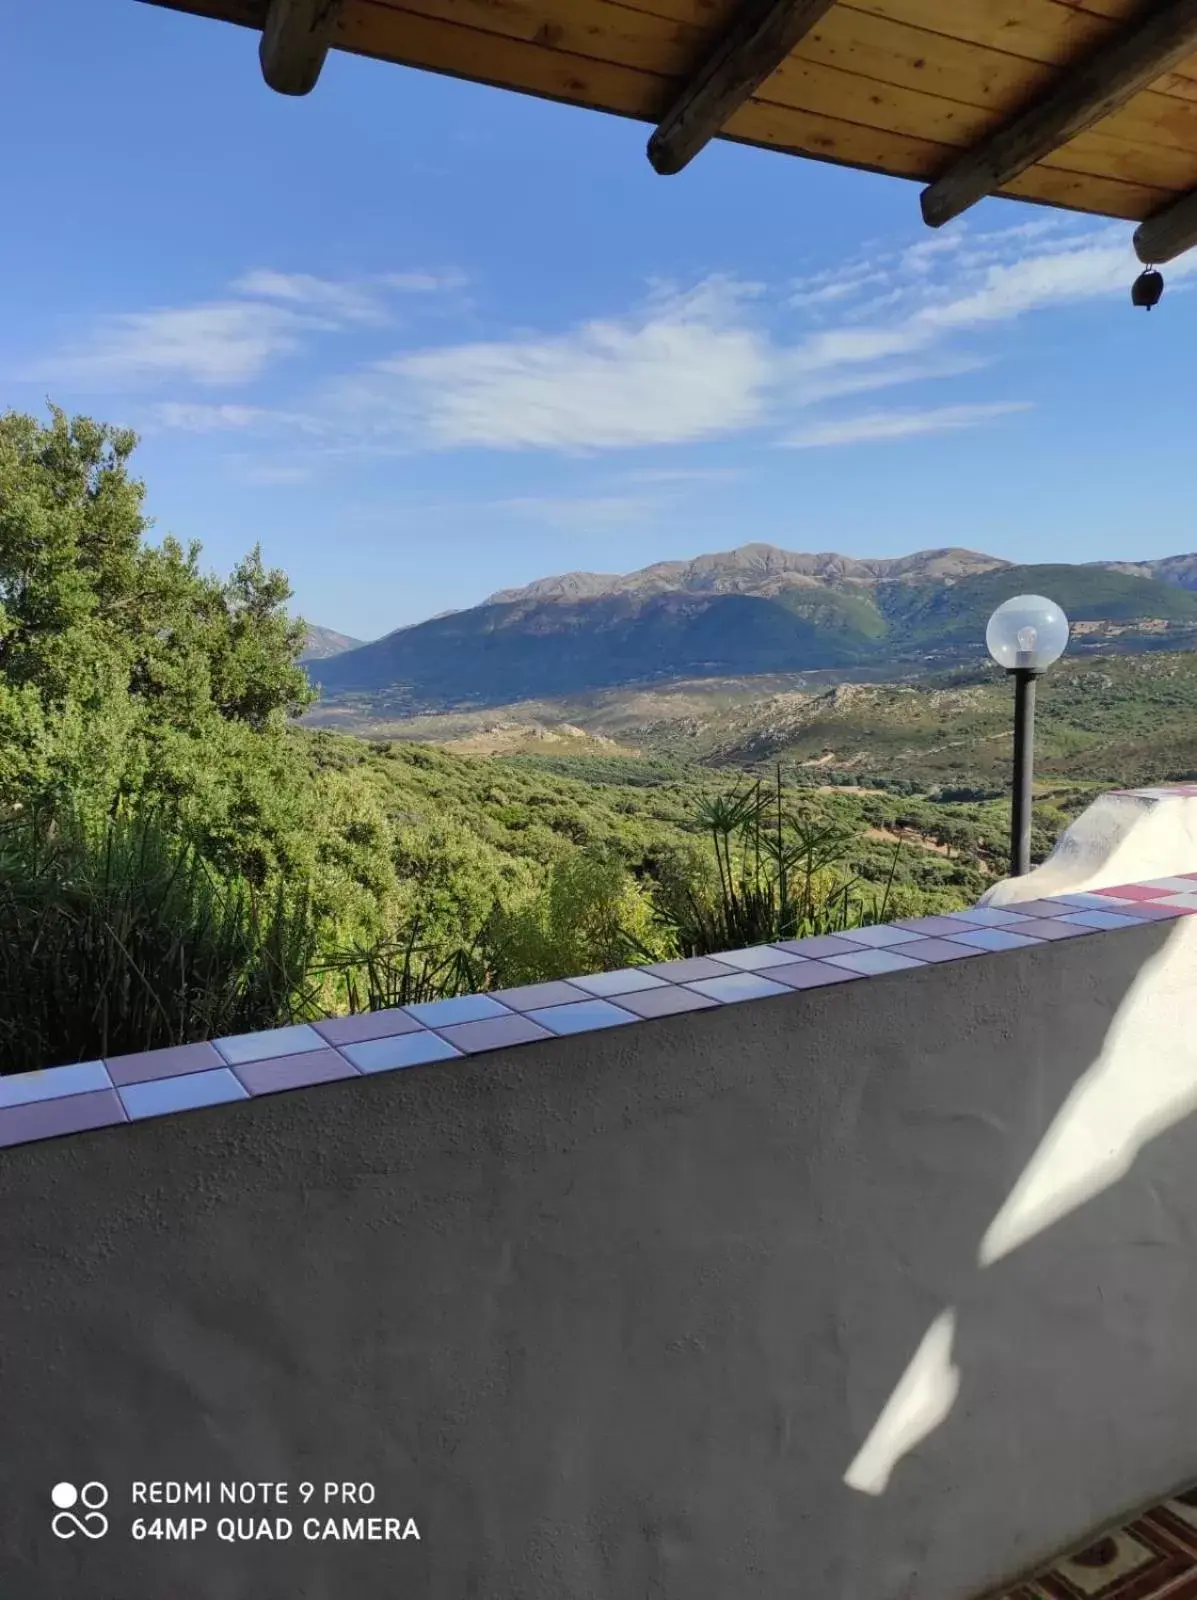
[{"x": 1147, "y": 289}]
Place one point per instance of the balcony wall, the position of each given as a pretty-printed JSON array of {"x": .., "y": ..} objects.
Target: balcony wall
[{"x": 875, "y": 1284}]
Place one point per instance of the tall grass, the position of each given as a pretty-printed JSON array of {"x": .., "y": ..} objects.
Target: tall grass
[
  {"x": 778, "y": 875},
  {"x": 116, "y": 937},
  {"x": 402, "y": 972}
]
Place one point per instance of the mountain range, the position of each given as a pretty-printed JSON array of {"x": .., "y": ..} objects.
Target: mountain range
[
  {"x": 320, "y": 643},
  {"x": 758, "y": 609}
]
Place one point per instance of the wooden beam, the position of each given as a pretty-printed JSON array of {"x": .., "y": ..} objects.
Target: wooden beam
[
  {"x": 295, "y": 41},
  {"x": 1169, "y": 233},
  {"x": 1104, "y": 81},
  {"x": 760, "y": 38}
]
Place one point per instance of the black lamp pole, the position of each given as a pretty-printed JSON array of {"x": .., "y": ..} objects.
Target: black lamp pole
[{"x": 1024, "y": 762}]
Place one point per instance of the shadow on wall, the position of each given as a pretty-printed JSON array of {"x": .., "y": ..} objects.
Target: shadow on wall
[
  {"x": 878, "y": 1292},
  {"x": 1053, "y": 1390}
]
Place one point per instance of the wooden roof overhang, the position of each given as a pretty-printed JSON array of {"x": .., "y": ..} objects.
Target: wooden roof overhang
[{"x": 1086, "y": 104}]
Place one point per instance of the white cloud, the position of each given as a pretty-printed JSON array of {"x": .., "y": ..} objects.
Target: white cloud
[
  {"x": 714, "y": 363},
  {"x": 683, "y": 369},
  {"x": 266, "y": 316},
  {"x": 724, "y": 359},
  {"x": 348, "y": 300},
  {"x": 901, "y": 424},
  {"x": 226, "y": 342},
  {"x": 189, "y": 417},
  {"x": 344, "y": 302}
]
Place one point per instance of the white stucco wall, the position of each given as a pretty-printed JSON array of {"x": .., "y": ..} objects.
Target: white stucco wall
[{"x": 1131, "y": 837}]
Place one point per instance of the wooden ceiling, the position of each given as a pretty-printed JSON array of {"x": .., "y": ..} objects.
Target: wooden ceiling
[{"x": 1086, "y": 104}]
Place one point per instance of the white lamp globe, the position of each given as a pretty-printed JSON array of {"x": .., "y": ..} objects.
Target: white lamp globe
[{"x": 1028, "y": 632}]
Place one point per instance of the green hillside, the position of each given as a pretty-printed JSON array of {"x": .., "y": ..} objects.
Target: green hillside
[
  {"x": 532, "y": 646},
  {"x": 1102, "y": 721},
  {"x": 930, "y": 617}
]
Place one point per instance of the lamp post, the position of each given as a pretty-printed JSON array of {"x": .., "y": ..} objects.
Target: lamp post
[{"x": 1025, "y": 635}]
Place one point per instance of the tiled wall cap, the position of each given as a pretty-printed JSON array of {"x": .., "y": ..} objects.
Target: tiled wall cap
[{"x": 184, "y": 1078}]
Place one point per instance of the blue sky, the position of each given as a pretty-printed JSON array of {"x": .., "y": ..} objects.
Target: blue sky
[{"x": 425, "y": 340}]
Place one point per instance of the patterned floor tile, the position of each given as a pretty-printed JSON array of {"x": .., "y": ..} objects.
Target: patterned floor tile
[{"x": 1151, "y": 1557}]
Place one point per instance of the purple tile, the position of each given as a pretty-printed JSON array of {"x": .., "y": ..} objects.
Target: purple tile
[
  {"x": 163, "y": 1063},
  {"x": 399, "y": 1050},
  {"x": 627, "y": 980},
  {"x": 294, "y": 1072},
  {"x": 46, "y": 1119},
  {"x": 1158, "y": 911},
  {"x": 1033, "y": 908},
  {"x": 1088, "y": 902},
  {"x": 269, "y": 1043},
  {"x": 872, "y": 963},
  {"x": 949, "y": 949},
  {"x": 581, "y": 1018},
  {"x": 758, "y": 958},
  {"x": 689, "y": 968},
  {"x": 738, "y": 986},
  {"x": 53, "y": 1083},
  {"x": 994, "y": 939},
  {"x": 984, "y": 916},
  {"x": 1048, "y": 928},
  {"x": 463, "y": 1008},
  {"x": 929, "y": 927},
  {"x": 365, "y": 1025},
  {"x": 818, "y": 946},
  {"x": 811, "y": 975},
  {"x": 186, "y": 1091},
  {"x": 531, "y": 996},
  {"x": 667, "y": 1001},
  {"x": 1101, "y": 919},
  {"x": 494, "y": 1033},
  {"x": 879, "y": 937}
]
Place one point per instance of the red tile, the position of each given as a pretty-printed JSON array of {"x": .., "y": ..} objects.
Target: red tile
[{"x": 1133, "y": 891}]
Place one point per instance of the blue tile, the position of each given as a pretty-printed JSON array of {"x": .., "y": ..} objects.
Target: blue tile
[
  {"x": 268, "y": 1044},
  {"x": 1101, "y": 919},
  {"x": 757, "y": 957},
  {"x": 465, "y": 1008},
  {"x": 880, "y": 937},
  {"x": 626, "y": 981},
  {"x": 535, "y": 996},
  {"x": 688, "y": 968},
  {"x": 184, "y": 1092},
  {"x": 993, "y": 939},
  {"x": 739, "y": 986},
  {"x": 399, "y": 1050},
  {"x": 872, "y": 963},
  {"x": 581, "y": 1018},
  {"x": 23, "y": 1088},
  {"x": 985, "y": 917}
]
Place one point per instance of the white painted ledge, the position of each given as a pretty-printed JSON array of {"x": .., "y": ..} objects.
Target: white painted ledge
[{"x": 1132, "y": 836}]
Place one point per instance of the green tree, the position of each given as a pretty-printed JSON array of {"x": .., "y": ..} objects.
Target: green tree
[
  {"x": 125, "y": 671},
  {"x": 590, "y": 916}
]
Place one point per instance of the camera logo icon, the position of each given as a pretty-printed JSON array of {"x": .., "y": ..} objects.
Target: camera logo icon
[{"x": 92, "y": 1524}]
